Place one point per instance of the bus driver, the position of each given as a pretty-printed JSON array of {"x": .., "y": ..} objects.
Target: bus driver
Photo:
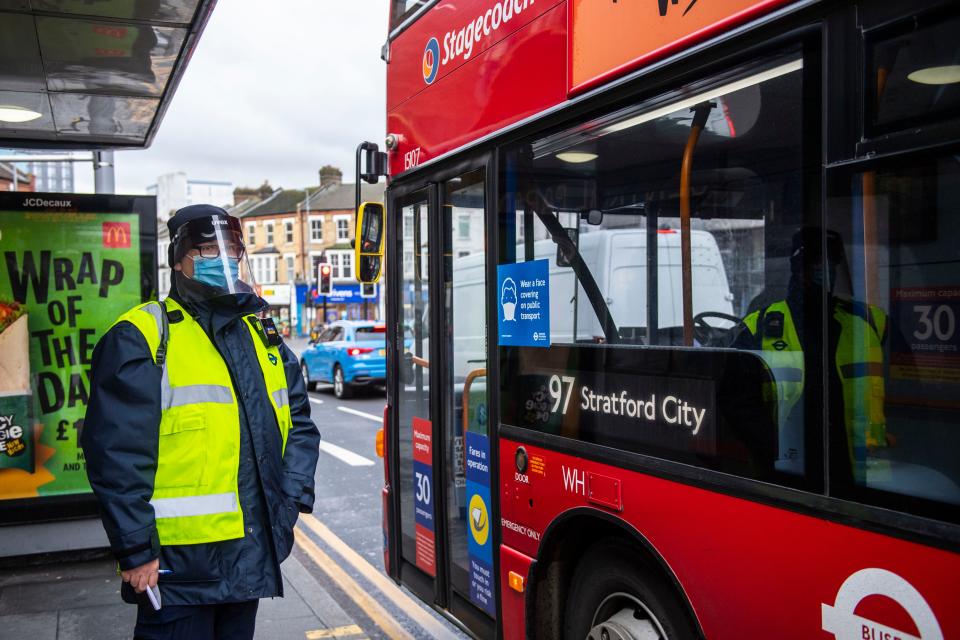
[{"x": 857, "y": 333}]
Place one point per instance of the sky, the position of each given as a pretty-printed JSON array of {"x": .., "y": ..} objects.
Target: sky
[{"x": 270, "y": 95}]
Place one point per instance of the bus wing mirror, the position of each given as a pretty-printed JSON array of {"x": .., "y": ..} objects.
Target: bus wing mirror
[
  {"x": 368, "y": 246},
  {"x": 594, "y": 217}
]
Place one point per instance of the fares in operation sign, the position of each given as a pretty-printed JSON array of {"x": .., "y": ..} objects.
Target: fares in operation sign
[
  {"x": 479, "y": 542},
  {"x": 524, "y": 304}
]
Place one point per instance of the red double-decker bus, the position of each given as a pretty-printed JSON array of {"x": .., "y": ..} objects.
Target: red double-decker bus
[{"x": 674, "y": 290}]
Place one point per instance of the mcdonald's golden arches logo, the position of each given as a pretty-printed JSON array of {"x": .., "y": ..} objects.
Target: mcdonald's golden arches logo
[{"x": 116, "y": 235}]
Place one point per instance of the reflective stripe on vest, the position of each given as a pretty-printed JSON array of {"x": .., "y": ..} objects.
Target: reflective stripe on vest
[
  {"x": 194, "y": 505},
  {"x": 195, "y": 496}
]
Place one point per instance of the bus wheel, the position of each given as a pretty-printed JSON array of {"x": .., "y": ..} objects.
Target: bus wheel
[{"x": 615, "y": 596}]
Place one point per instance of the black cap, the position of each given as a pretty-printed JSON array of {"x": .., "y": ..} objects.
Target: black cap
[
  {"x": 189, "y": 214},
  {"x": 193, "y": 212},
  {"x": 807, "y": 247}
]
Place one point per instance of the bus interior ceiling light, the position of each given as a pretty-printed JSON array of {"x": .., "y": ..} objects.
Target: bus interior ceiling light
[
  {"x": 576, "y": 157},
  {"x": 600, "y": 127},
  {"x": 947, "y": 74},
  {"x": 15, "y": 114}
]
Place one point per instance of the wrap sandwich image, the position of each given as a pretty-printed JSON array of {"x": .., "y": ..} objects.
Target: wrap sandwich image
[{"x": 16, "y": 430}]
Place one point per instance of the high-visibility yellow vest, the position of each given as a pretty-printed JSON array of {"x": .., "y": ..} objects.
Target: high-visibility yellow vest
[
  {"x": 195, "y": 497},
  {"x": 859, "y": 364}
]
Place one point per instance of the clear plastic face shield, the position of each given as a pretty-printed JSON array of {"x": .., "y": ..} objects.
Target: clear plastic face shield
[{"x": 210, "y": 256}]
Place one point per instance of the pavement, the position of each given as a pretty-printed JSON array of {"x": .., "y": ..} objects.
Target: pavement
[{"x": 81, "y": 601}]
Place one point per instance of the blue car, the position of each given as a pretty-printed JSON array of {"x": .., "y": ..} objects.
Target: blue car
[{"x": 348, "y": 353}]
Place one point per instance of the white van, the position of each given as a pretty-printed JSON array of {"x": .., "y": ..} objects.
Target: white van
[{"x": 617, "y": 258}]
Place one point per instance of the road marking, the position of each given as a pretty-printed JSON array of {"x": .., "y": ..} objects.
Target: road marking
[
  {"x": 338, "y": 632},
  {"x": 413, "y": 609},
  {"x": 362, "y": 414},
  {"x": 390, "y": 626},
  {"x": 316, "y": 400},
  {"x": 345, "y": 455}
]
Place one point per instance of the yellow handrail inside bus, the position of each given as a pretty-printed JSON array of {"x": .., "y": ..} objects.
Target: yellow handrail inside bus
[
  {"x": 870, "y": 225},
  {"x": 701, "y": 111},
  {"x": 465, "y": 414}
]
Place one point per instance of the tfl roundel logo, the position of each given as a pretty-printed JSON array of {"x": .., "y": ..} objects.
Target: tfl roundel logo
[{"x": 431, "y": 61}]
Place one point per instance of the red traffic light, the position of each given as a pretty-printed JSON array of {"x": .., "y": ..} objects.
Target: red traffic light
[{"x": 325, "y": 269}]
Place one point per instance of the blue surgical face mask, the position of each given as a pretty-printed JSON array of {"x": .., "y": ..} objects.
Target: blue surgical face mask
[
  {"x": 821, "y": 278},
  {"x": 210, "y": 271}
]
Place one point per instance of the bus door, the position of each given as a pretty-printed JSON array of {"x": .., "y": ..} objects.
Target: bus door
[{"x": 442, "y": 435}]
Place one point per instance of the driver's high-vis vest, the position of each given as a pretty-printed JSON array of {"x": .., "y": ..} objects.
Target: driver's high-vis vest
[
  {"x": 858, "y": 362},
  {"x": 195, "y": 497}
]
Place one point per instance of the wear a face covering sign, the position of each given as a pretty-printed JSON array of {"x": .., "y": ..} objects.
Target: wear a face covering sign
[
  {"x": 524, "y": 304},
  {"x": 65, "y": 276}
]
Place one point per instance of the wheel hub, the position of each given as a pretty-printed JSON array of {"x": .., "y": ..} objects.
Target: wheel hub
[
  {"x": 622, "y": 616},
  {"x": 624, "y": 626}
]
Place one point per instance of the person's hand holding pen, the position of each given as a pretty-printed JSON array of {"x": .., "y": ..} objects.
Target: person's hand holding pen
[{"x": 146, "y": 575}]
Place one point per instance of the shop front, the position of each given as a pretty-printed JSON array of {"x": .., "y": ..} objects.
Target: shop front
[{"x": 347, "y": 302}]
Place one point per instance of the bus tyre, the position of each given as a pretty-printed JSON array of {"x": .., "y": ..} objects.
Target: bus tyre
[
  {"x": 340, "y": 387},
  {"x": 311, "y": 385},
  {"x": 615, "y": 596}
]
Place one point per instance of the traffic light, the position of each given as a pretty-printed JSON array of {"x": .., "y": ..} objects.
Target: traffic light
[
  {"x": 368, "y": 290},
  {"x": 325, "y": 279}
]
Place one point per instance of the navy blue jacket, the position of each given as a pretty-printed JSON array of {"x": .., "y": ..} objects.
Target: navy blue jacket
[{"x": 120, "y": 442}]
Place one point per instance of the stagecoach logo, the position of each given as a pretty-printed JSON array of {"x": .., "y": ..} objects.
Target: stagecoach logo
[
  {"x": 116, "y": 235},
  {"x": 459, "y": 43},
  {"x": 431, "y": 61},
  {"x": 844, "y": 624}
]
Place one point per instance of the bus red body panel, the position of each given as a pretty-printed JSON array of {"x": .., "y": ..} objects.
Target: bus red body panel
[
  {"x": 520, "y": 75},
  {"x": 512, "y": 603},
  {"x": 736, "y": 547}
]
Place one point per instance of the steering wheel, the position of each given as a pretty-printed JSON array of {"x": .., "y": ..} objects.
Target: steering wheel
[{"x": 710, "y": 336}]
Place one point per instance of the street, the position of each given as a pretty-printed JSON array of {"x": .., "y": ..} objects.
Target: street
[{"x": 345, "y": 527}]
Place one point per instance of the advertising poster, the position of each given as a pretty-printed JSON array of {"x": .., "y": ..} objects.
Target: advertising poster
[
  {"x": 69, "y": 266},
  {"x": 479, "y": 542},
  {"x": 426, "y": 555}
]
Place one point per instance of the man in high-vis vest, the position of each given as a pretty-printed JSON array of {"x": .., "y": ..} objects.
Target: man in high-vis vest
[
  {"x": 855, "y": 337},
  {"x": 198, "y": 441}
]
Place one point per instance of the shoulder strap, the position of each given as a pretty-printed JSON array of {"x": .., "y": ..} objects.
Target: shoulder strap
[{"x": 164, "y": 335}]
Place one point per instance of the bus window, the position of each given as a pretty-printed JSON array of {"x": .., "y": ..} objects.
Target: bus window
[
  {"x": 403, "y": 9},
  {"x": 413, "y": 398},
  {"x": 893, "y": 334},
  {"x": 465, "y": 352},
  {"x": 913, "y": 72},
  {"x": 682, "y": 283}
]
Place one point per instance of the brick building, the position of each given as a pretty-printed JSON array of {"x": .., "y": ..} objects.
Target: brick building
[
  {"x": 290, "y": 231},
  {"x": 13, "y": 179}
]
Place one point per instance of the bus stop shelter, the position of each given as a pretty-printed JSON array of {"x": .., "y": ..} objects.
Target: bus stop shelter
[{"x": 94, "y": 75}]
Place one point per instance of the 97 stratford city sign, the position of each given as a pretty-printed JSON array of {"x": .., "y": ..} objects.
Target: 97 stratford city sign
[{"x": 69, "y": 266}]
